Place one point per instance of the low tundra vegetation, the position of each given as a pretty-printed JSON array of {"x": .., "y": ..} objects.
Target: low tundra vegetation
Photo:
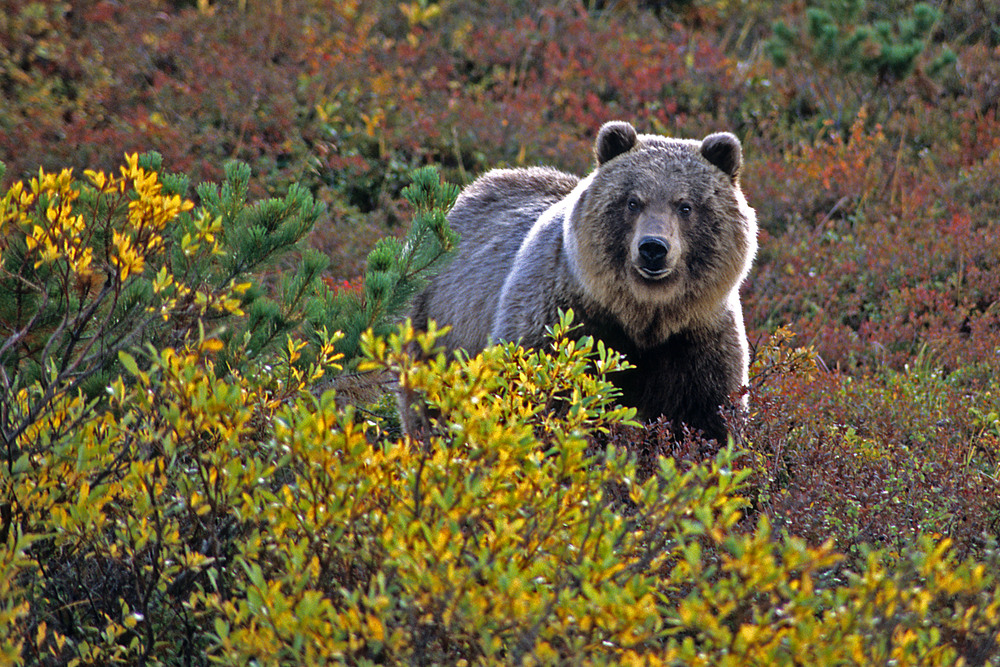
[
  {"x": 190, "y": 474},
  {"x": 180, "y": 488}
]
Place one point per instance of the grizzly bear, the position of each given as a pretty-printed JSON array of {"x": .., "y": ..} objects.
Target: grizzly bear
[{"x": 649, "y": 251}]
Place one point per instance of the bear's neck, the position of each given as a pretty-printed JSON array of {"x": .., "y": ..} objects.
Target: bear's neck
[{"x": 643, "y": 326}]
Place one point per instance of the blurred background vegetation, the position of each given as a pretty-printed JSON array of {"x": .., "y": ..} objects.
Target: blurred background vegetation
[{"x": 147, "y": 493}]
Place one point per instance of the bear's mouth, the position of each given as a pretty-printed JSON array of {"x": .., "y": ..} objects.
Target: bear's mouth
[{"x": 654, "y": 274}]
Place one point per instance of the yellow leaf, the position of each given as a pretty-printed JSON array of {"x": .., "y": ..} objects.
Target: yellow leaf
[
  {"x": 211, "y": 345},
  {"x": 749, "y": 633},
  {"x": 375, "y": 628}
]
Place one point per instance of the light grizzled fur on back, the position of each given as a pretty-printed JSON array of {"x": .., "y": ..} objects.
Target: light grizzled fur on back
[{"x": 492, "y": 217}]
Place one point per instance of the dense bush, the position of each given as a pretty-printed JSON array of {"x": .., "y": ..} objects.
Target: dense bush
[
  {"x": 211, "y": 506},
  {"x": 178, "y": 487}
]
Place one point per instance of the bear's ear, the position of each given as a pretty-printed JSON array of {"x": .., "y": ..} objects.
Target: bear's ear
[
  {"x": 616, "y": 137},
  {"x": 723, "y": 150}
]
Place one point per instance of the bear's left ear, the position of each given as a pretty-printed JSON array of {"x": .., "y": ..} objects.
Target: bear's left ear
[
  {"x": 723, "y": 150},
  {"x": 616, "y": 137}
]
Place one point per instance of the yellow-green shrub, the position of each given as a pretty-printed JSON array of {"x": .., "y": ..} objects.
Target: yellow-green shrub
[
  {"x": 212, "y": 507},
  {"x": 491, "y": 541},
  {"x": 498, "y": 540}
]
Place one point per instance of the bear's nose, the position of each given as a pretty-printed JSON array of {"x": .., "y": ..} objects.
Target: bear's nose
[{"x": 653, "y": 251}]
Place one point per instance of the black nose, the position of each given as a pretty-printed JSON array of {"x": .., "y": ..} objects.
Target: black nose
[{"x": 653, "y": 252}]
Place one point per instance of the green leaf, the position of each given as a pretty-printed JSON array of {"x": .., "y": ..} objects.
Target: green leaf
[{"x": 128, "y": 361}]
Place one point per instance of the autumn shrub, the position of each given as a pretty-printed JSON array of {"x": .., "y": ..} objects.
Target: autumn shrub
[
  {"x": 191, "y": 525},
  {"x": 212, "y": 504},
  {"x": 106, "y": 79},
  {"x": 118, "y": 279},
  {"x": 94, "y": 268},
  {"x": 154, "y": 489},
  {"x": 875, "y": 460},
  {"x": 91, "y": 271}
]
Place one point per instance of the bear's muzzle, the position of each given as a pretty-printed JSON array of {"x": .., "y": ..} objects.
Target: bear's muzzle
[{"x": 653, "y": 253}]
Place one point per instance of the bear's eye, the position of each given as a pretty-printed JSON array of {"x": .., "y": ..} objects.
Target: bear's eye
[
  {"x": 684, "y": 209},
  {"x": 633, "y": 204}
]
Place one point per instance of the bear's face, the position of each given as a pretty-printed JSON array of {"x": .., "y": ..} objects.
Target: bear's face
[{"x": 662, "y": 225}]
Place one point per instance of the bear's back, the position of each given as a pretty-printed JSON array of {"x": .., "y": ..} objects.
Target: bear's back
[
  {"x": 492, "y": 216},
  {"x": 504, "y": 203}
]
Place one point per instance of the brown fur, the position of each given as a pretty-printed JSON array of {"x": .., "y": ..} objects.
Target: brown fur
[{"x": 649, "y": 251}]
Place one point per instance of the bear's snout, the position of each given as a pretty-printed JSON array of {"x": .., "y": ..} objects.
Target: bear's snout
[
  {"x": 653, "y": 252},
  {"x": 656, "y": 244},
  {"x": 653, "y": 257}
]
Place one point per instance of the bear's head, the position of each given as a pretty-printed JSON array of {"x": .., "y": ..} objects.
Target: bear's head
[{"x": 660, "y": 234}]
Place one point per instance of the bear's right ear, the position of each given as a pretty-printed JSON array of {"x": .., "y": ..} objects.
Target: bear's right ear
[{"x": 616, "y": 137}]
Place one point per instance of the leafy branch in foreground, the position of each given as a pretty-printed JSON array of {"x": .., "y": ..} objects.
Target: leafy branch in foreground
[{"x": 91, "y": 268}]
